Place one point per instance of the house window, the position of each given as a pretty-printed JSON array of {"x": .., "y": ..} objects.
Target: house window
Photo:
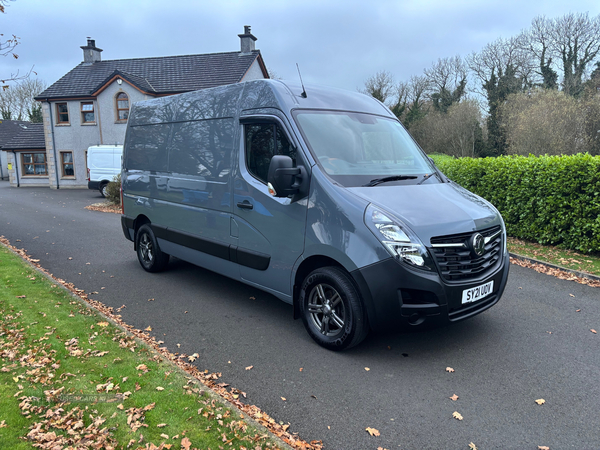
[
  {"x": 62, "y": 113},
  {"x": 122, "y": 107},
  {"x": 34, "y": 164},
  {"x": 66, "y": 159},
  {"x": 87, "y": 112}
]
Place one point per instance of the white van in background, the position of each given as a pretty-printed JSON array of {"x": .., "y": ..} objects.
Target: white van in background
[{"x": 103, "y": 163}]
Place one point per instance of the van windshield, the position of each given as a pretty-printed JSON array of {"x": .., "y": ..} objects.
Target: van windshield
[{"x": 355, "y": 149}]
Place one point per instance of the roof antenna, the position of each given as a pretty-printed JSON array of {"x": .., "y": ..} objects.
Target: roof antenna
[{"x": 303, "y": 95}]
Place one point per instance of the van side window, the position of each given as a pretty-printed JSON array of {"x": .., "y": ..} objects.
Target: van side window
[
  {"x": 202, "y": 148},
  {"x": 147, "y": 148},
  {"x": 263, "y": 141}
]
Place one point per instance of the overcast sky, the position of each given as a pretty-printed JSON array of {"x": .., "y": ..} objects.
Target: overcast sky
[{"x": 336, "y": 42}]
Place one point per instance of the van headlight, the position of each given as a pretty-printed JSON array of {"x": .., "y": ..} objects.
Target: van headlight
[{"x": 400, "y": 241}]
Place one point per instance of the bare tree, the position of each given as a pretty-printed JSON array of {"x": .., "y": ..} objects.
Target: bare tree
[
  {"x": 447, "y": 82},
  {"x": 17, "y": 101},
  {"x": 538, "y": 42},
  {"x": 499, "y": 57},
  {"x": 576, "y": 40},
  {"x": 457, "y": 132},
  {"x": 379, "y": 86},
  {"x": 550, "y": 122},
  {"x": 7, "y": 48}
]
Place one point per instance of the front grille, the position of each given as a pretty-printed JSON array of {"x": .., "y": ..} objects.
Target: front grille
[{"x": 456, "y": 260}]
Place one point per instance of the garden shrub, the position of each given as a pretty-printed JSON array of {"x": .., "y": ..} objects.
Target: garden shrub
[
  {"x": 114, "y": 190},
  {"x": 547, "y": 199}
]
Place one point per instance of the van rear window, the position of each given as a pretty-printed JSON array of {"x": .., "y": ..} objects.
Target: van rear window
[{"x": 147, "y": 148}]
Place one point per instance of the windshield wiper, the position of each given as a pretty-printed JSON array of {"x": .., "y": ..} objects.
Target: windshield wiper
[
  {"x": 426, "y": 177},
  {"x": 377, "y": 181}
]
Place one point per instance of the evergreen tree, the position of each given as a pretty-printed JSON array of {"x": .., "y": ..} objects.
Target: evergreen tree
[{"x": 35, "y": 114}]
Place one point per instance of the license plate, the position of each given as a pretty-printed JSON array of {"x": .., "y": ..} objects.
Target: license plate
[{"x": 477, "y": 293}]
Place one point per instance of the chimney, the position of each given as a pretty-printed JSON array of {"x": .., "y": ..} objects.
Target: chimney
[
  {"x": 247, "y": 40},
  {"x": 91, "y": 53}
]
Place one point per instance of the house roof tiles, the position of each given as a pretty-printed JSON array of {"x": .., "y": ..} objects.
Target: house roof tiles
[
  {"x": 161, "y": 75},
  {"x": 20, "y": 135}
]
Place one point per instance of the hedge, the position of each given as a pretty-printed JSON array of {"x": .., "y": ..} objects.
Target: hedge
[{"x": 547, "y": 199}]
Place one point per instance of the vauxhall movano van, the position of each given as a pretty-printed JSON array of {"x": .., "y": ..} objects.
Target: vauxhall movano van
[{"x": 318, "y": 196}]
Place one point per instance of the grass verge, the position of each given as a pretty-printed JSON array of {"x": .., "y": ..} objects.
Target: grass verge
[
  {"x": 71, "y": 378},
  {"x": 554, "y": 255}
]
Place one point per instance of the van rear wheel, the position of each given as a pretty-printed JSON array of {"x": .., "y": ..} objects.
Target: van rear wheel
[
  {"x": 332, "y": 309},
  {"x": 151, "y": 258}
]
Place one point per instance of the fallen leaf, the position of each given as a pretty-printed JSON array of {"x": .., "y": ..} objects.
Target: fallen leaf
[
  {"x": 186, "y": 443},
  {"x": 283, "y": 398},
  {"x": 367, "y": 369},
  {"x": 285, "y": 427},
  {"x": 193, "y": 357},
  {"x": 164, "y": 436},
  {"x": 150, "y": 299},
  {"x": 543, "y": 447},
  {"x": 103, "y": 324},
  {"x": 142, "y": 367},
  {"x": 454, "y": 397},
  {"x": 21, "y": 296},
  {"x": 593, "y": 331},
  {"x": 148, "y": 329},
  {"x": 301, "y": 369},
  {"x": 372, "y": 431},
  {"x": 160, "y": 388},
  {"x": 449, "y": 369},
  {"x": 457, "y": 415},
  {"x": 540, "y": 401},
  {"x": 249, "y": 367},
  {"x": 161, "y": 425},
  {"x": 577, "y": 310},
  {"x": 571, "y": 295},
  {"x": 472, "y": 446}
]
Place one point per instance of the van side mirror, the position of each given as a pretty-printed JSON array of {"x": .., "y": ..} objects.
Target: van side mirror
[{"x": 284, "y": 179}]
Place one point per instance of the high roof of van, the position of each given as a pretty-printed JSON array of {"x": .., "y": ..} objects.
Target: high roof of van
[{"x": 236, "y": 99}]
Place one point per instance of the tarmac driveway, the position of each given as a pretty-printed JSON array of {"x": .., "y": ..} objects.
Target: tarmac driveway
[{"x": 534, "y": 344}]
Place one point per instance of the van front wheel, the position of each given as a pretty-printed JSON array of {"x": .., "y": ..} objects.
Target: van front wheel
[
  {"x": 149, "y": 254},
  {"x": 332, "y": 310}
]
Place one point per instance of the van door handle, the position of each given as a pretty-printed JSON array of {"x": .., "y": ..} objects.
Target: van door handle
[{"x": 245, "y": 205}]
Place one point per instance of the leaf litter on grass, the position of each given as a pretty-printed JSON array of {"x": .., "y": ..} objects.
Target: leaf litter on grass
[{"x": 55, "y": 416}]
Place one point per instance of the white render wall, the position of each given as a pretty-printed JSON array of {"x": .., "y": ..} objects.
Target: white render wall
[
  {"x": 254, "y": 72},
  {"x": 77, "y": 137}
]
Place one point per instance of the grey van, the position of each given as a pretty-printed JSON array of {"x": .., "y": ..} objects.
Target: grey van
[{"x": 319, "y": 197}]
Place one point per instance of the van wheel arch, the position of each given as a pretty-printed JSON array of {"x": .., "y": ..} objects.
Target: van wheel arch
[
  {"x": 137, "y": 223},
  {"x": 318, "y": 261},
  {"x": 332, "y": 308}
]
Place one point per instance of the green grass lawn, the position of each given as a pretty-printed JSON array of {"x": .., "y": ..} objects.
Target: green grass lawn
[
  {"x": 71, "y": 378},
  {"x": 566, "y": 258}
]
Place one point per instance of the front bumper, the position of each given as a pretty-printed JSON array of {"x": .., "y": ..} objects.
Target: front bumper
[{"x": 397, "y": 296}]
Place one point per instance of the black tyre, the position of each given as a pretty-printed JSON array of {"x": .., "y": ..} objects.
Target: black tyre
[
  {"x": 104, "y": 189},
  {"x": 149, "y": 254},
  {"x": 332, "y": 309}
]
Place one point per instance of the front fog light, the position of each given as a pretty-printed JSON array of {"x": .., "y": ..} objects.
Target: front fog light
[{"x": 401, "y": 242}]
